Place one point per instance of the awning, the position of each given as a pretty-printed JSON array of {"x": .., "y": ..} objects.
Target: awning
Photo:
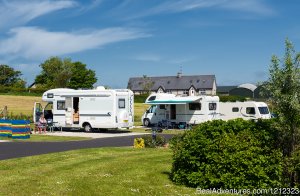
[{"x": 176, "y": 101}]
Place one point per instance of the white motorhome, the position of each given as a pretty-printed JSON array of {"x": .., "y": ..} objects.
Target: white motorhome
[
  {"x": 248, "y": 110},
  {"x": 177, "y": 110},
  {"x": 88, "y": 109},
  {"x": 198, "y": 109}
]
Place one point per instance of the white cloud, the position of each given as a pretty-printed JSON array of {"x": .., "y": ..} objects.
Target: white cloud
[
  {"x": 17, "y": 12},
  {"x": 148, "y": 57},
  {"x": 36, "y": 43},
  {"x": 177, "y": 6},
  {"x": 252, "y": 6},
  {"x": 91, "y": 5}
]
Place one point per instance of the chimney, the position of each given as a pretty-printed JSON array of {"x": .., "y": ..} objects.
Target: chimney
[{"x": 179, "y": 74}]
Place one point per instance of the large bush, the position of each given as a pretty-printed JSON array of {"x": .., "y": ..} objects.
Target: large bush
[{"x": 234, "y": 154}]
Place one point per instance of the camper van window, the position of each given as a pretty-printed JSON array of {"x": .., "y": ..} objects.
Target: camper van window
[
  {"x": 194, "y": 106},
  {"x": 263, "y": 110},
  {"x": 61, "y": 105},
  {"x": 212, "y": 106},
  {"x": 152, "y": 98},
  {"x": 50, "y": 95},
  {"x": 121, "y": 103},
  {"x": 235, "y": 109},
  {"x": 250, "y": 110},
  {"x": 162, "y": 107}
]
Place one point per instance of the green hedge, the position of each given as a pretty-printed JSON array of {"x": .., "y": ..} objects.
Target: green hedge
[
  {"x": 236, "y": 154},
  {"x": 140, "y": 98},
  {"x": 22, "y": 91},
  {"x": 232, "y": 98}
]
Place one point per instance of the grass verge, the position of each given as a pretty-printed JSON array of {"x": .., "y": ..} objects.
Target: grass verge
[
  {"x": 46, "y": 138},
  {"x": 101, "y": 171}
]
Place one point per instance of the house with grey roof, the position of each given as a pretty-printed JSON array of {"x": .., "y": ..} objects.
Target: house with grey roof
[{"x": 178, "y": 85}]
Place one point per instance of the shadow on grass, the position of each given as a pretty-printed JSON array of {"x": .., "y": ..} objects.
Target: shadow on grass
[{"x": 168, "y": 174}]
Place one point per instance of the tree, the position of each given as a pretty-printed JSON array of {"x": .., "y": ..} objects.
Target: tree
[
  {"x": 55, "y": 73},
  {"x": 81, "y": 76},
  {"x": 61, "y": 73},
  {"x": 10, "y": 77},
  {"x": 147, "y": 84},
  {"x": 283, "y": 88}
]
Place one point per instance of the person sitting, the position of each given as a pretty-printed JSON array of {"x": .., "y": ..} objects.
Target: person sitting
[{"x": 42, "y": 124}]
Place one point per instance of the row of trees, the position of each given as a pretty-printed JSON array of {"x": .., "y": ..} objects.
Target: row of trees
[{"x": 55, "y": 73}]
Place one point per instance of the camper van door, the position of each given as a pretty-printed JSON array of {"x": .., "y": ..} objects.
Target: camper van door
[
  {"x": 69, "y": 111},
  {"x": 37, "y": 111},
  {"x": 212, "y": 111}
]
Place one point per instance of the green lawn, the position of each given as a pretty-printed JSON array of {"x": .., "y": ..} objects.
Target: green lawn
[
  {"x": 102, "y": 171},
  {"x": 139, "y": 110},
  {"x": 46, "y": 138}
]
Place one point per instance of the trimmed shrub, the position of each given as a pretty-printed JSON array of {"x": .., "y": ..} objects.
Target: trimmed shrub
[
  {"x": 160, "y": 141},
  {"x": 235, "y": 154}
]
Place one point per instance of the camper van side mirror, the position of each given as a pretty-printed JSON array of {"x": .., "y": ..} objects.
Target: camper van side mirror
[{"x": 147, "y": 111}]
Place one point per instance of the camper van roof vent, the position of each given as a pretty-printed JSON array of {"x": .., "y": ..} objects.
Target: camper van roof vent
[{"x": 100, "y": 88}]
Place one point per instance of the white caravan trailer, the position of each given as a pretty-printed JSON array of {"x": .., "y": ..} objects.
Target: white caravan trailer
[
  {"x": 177, "y": 110},
  {"x": 246, "y": 110},
  {"x": 97, "y": 108}
]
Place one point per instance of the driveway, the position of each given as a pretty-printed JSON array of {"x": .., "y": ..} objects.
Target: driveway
[{"x": 10, "y": 150}]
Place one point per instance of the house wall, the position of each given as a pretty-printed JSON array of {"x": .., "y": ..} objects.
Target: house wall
[{"x": 183, "y": 92}]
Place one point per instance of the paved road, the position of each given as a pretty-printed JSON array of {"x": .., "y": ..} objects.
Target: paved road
[{"x": 10, "y": 150}]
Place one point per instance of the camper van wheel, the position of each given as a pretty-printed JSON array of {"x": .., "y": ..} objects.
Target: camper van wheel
[
  {"x": 146, "y": 122},
  {"x": 87, "y": 128}
]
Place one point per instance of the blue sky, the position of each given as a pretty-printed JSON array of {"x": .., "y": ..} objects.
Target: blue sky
[{"x": 233, "y": 39}]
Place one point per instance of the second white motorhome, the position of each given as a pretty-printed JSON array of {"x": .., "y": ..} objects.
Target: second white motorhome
[
  {"x": 197, "y": 109},
  {"x": 248, "y": 110},
  {"x": 88, "y": 109}
]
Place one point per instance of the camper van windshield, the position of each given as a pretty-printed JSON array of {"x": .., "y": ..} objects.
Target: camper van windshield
[
  {"x": 263, "y": 110},
  {"x": 152, "y": 109},
  {"x": 49, "y": 106}
]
